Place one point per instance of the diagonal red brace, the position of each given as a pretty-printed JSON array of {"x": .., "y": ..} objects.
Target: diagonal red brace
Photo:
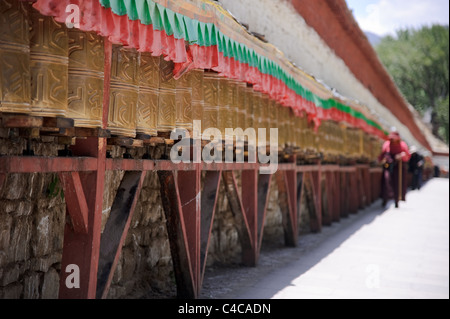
[{"x": 75, "y": 201}]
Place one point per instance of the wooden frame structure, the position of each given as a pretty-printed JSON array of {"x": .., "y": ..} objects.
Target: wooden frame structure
[{"x": 189, "y": 207}]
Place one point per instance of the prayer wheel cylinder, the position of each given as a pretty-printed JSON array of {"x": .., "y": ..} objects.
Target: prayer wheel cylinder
[
  {"x": 167, "y": 97},
  {"x": 265, "y": 112},
  {"x": 184, "y": 114},
  {"x": 225, "y": 101},
  {"x": 291, "y": 127},
  {"x": 257, "y": 116},
  {"x": 123, "y": 92},
  {"x": 197, "y": 94},
  {"x": 211, "y": 97},
  {"x": 15, "y": 87},
  {"x": 49, "y": 65},
  {"x": 86, "y": 77},
  {"x": 298, "y": 131},
  {"x": 249, "y": 108},
  {"x": 234, "y": 104},
  {"x": 241, "y": 108},
  {"x": 148, "y": 97}
]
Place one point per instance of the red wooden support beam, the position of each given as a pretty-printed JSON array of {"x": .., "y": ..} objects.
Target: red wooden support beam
[
  {"x": 189, "y": 188},
  {"x": 375, "y": 181},
  {"x": 81, "y": 250},
  {"x": 327, "y": 217},
  {"x": 116, "y": 228},
  {"x": 315, "y": 177},
  {"x": 250, "y": 205},
  {"x": 210, "y": 194},
  {"x": 344, "y": 193},
  {"x": 176, "y": 229},
  {"x": 249, "y": 209},
  {"x": 288, "y": 201},
  {"x": 255, "y": 190},
  {"x": 76, "y": 204},
  {"x": 190, "y": 213},
  {"x": 237, "y": 208},
  {"x": 263, "y": 200},
  {"x": 337, "y": 196},
  {"x": 36, "y": 164}
]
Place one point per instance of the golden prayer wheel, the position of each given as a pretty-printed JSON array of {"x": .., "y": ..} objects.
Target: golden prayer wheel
[
  {"x": 167, "y": 97},
  {"x": 265, "y": 113},
  {"x": 183, "y": 115},
  {"x": 123, "y": 91},
  {"x": 225, "y": 101},
  {"x": 249, "y": 108},
  {"x": 197, "y": 94},
  {"x": 49, "y": 65},
  {"x": 257, "y": 116},
  {"x": 291, "y": 127},
  {"x": 211, "y": 98},
  {"x": 303, "y": 125},
  {"x": 234, "y": 104},
  {"x": 281, "y": 134},
  {"x": 15, "y": 89},
  {"x": 298, "y": 131},
  {"x": 272, "y": 114},
  {"x": 86, "y": 77},
  {"x": 310, "y": 138},
  {"x": 241, "y": 93},
  {"x": 148, "y": 96},
  {"x": 321, "y": 138}
]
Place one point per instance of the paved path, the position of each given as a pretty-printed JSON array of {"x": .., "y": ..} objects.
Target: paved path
[{"x": 395, "y": 253}]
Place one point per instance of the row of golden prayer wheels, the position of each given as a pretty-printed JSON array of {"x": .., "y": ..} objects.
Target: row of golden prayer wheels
[{"x": 50, "y": 70}]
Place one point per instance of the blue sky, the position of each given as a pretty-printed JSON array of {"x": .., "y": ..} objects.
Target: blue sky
[{"x": 386, "y": 16}]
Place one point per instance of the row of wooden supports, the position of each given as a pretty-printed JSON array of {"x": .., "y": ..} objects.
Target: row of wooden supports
[{"x": 189, "y": 202}]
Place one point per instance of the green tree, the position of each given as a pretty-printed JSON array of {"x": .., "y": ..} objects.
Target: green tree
[{"x": 418, "y": 61}]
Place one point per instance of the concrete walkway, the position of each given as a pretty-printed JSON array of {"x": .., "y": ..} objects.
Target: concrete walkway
[{"x": 395, "y": 253}]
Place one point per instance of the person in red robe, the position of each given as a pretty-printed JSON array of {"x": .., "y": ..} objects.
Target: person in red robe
[{"x": 394, "y": 157}]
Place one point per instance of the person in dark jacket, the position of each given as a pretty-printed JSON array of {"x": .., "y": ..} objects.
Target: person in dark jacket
[{"x": 416, "y": 163}]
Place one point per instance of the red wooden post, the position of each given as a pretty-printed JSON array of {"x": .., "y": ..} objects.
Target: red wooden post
[
  {"x": 337, "y": 195},
  {"x": 236, "y": 206},
  {"x": 250, "y": 205},
  {"x": 190, "y": 214},
  {"x": 328, "y": 217},
  {"x": 81, "y": 250},
  {"x": 210, "y": 194},
  {"x": 287, "y": 197},
  {"x": 315, "y": 178},
  {"x": 249, "y": 209},
  {"x": 76, "y": 204}
]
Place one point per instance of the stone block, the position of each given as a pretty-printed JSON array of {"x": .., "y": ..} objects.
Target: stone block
[
  {"x": 9, "y": 274},
  {"x": 16, "y": 186},
  {"x": 12, "y": 291},
  {"x": 19, "y": 248},
  {"x": 31, "y": 286},
  {"x": 5, "y": 231},
  {"x": 50, "y": 285}
]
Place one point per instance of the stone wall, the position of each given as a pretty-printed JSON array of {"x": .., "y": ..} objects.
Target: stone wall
[{"x": 32, "y": 217}]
